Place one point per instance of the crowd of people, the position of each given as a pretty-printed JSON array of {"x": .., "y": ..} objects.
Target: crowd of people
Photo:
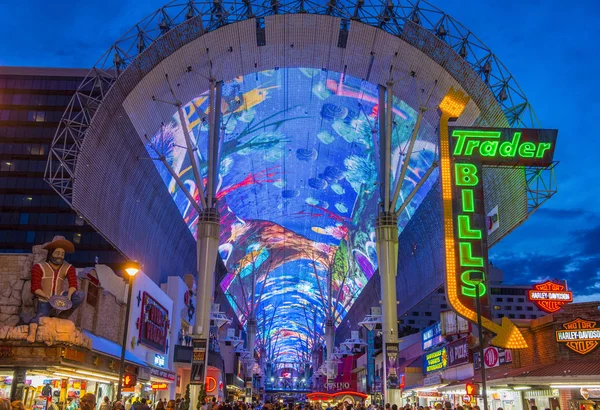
[{"x": 88, "y": 402}]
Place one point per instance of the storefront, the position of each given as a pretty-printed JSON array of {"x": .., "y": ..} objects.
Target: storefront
[
  {"x": 148, "y": 339},
  {"x": 40, "y": 375}
]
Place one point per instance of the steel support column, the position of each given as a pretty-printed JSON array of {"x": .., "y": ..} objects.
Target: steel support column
[{"x": 386, "y": 232}]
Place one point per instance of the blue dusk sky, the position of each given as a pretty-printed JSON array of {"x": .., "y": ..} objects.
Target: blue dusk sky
[{"x": 550, "y": 47}]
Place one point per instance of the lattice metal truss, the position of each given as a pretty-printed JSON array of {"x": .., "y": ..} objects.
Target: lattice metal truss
[{"x": 391, "y": 16}]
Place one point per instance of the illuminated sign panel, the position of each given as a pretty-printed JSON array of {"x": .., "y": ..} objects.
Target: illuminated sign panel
[
  {"x": 432, "y": 336},
  {"x": 580, "y": 335},
  {"x": 436, "y": 360},
  {"x": 154, "y": 324},
  {"x": 463, "y": 152},
  {"x": 160, "y": 386},
  {"x": 549, "y": 296},
  {"x": 504, "y": 146}
]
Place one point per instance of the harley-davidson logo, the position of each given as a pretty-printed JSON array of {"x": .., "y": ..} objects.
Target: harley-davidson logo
[
  {"x": 550, "y": 296},
  {"x": 580, "y": 335}
]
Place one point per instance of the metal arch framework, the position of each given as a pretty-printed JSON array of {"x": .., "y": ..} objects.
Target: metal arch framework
[{"x": 405, "y": 19}]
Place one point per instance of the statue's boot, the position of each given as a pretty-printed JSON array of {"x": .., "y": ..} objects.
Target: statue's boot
[{"x": 32, "y": 332}]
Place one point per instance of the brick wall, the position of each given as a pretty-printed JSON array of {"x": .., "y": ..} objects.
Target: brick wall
[{"x": 15, "y": 273}]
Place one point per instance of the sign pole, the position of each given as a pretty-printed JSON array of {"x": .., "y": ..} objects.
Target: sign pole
[{"x": 480, "y": 335}]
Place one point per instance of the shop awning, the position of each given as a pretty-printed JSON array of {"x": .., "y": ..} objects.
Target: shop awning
[
  {"x": 110, "y": 348},
  {"x": 559, "y": 373}
]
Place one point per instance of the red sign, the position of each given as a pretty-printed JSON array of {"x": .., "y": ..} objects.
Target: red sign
[
  {"x": 154, "y": 324},
  {"x": 471, "y": 389},
  {"x": 490, "y": 357},
  {"x": 129, "y": 380},
  {"x": 160, "y": 386},
  {"x": 211, "y": 384},
  {"x": 550, "y": 296}
]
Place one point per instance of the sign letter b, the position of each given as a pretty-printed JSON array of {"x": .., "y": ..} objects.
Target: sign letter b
[{"x": 466, "y": 174}]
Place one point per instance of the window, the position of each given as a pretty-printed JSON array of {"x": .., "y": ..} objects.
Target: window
[
  {"x": 427, "y": 313},
  {"x": 521, "y": 316},
  {"x": 530, "y": 308},
  {"x": 511, "y": 316},
  {"x": 510, "y": 299},
  {"x": 508, "y": 308},
  {"x": 521, "y": 300},
  {"x": 501, "y": 315},
  {"x": 30, "y": 237},
  {"x": 411, "y": 322},
  {"x": 519, "y": 307},
  {"x": 499, "y": 300},
  {"x": 415, "y": 313},
  {"x": 24, "y": 219},
  {"x": 92, "y": 294},
  {"x": 532, "y": 317}
]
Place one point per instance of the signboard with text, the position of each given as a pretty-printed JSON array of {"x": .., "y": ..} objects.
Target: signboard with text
[
  {"x": 549, "y": 296},
  {"x": 458, "y": 352},
  {"x": 435, "y": 360},
  {"x": 580, "y": 335},
  {"x": 493, "y": 357},
  {"x": 464, "y": 151},
  {"x": 154, "y": 324},
  {"x": 432, "y": 336},
  {"x": 391, "y": 363},
  {"x": 198, "y": 361}
]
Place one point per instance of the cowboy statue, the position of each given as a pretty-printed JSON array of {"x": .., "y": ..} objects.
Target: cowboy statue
[{"x": 48, "y": 282}]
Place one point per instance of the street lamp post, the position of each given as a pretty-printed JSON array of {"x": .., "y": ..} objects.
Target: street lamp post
[
  {"x": 131, "y": 268},
  {"x": 477, "y": 277}
]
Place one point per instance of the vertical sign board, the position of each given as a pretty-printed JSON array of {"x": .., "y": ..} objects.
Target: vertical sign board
[
  {"x": 198, "y": 361},
  {"x": 154, "y": 324},
  {"x": 370, "y": 359},
  {"x": 391, "y": 365},
  {"x": 469, "y": 150}
]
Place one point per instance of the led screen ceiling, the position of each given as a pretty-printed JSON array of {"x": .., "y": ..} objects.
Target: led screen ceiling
[{"x": 297, "y": 193}]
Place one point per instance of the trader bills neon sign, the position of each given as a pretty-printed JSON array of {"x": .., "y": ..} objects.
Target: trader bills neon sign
[{"x": 463, "y": 153}]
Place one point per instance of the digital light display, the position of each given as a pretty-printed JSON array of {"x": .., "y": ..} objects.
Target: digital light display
[
  {"x": 297, "y": 191},
  {"x": 549, "y": 296},
  {"x": 580, "y": 335},
  {"x": 436, "y": 360}
]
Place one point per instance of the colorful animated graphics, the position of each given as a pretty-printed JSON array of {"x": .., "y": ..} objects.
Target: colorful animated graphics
[{"x": 297, "y": 193}]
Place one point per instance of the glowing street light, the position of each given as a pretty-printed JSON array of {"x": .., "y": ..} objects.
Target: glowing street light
[{"x": 132, "y": 268}]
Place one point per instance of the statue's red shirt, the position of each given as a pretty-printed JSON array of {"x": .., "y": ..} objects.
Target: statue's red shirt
[{"x": 51, "y": 283}]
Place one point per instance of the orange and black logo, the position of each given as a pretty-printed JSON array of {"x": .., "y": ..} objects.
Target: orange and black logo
[{"x": 580, "y": 335}]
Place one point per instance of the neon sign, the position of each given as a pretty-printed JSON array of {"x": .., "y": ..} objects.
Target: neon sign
[
  {"x": 436, "y": 360},
  {"x": 549, "y": 296},
  {"x": 505, "y": 146},
  {"x": 463, "y": 152},
  {"x": 160, "y": 386},
  {"x": 580, "y": 335}
]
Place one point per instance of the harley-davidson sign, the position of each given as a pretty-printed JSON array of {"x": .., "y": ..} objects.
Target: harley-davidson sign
[
  {"x": 550, "y": 296},
  {"x": 580, "y": 335}
]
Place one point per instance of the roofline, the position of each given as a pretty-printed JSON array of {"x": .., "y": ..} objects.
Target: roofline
[{"x": 44, "y": 71}]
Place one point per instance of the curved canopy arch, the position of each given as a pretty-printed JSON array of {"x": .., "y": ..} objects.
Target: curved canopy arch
[{"x": 300, "y": 100}]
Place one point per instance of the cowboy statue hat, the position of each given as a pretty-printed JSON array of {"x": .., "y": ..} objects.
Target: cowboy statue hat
[{"x": 59, "y": 242}]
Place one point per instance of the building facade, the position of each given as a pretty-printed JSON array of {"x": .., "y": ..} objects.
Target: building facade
[{"x": 32, "y": 102}]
